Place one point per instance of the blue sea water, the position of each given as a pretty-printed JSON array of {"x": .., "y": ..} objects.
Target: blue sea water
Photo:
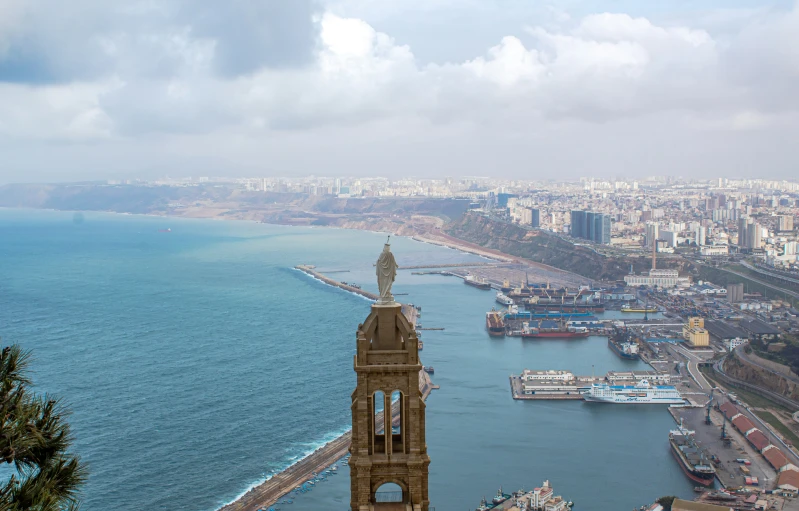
[{"x": 197, "y": 362}]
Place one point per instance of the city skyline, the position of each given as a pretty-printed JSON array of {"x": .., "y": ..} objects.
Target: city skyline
[{"x": 439, "y": 88}]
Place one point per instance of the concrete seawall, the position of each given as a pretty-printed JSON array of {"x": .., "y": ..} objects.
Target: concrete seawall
[{"x": 272, "y": 490}]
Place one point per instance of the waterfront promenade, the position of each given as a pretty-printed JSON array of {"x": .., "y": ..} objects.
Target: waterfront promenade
[{"x": 272, "y": 490}]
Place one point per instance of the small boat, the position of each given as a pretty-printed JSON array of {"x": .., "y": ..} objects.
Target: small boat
[
  {"x": 503, "y": 299},
  {"x": 500, "y": 497},
  {"x": 699, "y": 489},
  {"x": 429, "y": 369}
]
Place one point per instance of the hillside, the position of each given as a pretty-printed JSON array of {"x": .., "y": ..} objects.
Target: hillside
[{"x": 545, "y": 247}]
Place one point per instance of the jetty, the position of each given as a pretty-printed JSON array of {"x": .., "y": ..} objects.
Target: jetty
[
  {"x": 279, "y": 485},
  {"x": 410, "y": 312}
]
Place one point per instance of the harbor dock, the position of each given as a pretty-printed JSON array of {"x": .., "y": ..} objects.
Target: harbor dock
[
  {"x": 564, "y": 385},
  {"x": 728, "y": 470}
]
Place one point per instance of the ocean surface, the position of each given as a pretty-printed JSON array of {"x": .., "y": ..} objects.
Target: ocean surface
[{"x": 197, "y": 363}]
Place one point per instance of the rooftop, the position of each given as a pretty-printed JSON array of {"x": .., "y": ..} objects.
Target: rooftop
[
  {"x": 758, "y": 327},
  {"x": 724, "y": 330}
]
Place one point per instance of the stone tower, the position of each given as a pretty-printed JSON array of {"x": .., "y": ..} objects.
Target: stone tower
[{"x": 388, "y": 447}]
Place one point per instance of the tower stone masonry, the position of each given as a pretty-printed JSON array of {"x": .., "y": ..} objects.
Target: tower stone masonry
[{"x": 388, "y": 447}]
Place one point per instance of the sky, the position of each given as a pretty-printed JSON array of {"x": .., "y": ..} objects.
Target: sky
[{"x": 523, "y": 89}]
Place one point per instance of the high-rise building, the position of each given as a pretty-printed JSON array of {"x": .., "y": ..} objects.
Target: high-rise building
[
  {"x": 785, "y": 223},
  {"x": 591, "y": 226},
  {"x": 670, "y": 237},
  {"x": 651, "y": 234},
  {"x": 754, "y": 235},
  {"x": 743, "y": 227},
  {"x": 700, "y": 236},
  {"x": 578, "y": 224},
  {"x": 590, "y": 218},
  {"x": 602, "y": 227},
  {"x": 535, "y": 217}
]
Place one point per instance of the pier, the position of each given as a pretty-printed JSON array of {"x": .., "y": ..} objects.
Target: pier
[
  {"x": 410, "y": 312},
  {"x": 564, "y": 385},
  {"x": 708, "y": 436},
  {"x": 281, "y": 484}
]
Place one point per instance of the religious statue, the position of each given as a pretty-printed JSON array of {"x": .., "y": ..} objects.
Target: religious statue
[{"x": 386, "y": 271}]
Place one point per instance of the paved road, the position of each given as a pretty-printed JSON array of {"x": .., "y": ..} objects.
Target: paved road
[
  {"x": 693, "y": 367},
  {"x": 770, "y": 274},
  {"x": 740, "y": 352},
  {"x": 754, "y": 279}
]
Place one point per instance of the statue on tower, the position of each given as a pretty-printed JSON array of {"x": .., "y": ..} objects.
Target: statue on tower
[{"x": 386, "y": 271}]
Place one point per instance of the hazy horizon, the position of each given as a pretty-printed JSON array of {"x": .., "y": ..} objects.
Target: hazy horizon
[{"x": 502, "y": 89}]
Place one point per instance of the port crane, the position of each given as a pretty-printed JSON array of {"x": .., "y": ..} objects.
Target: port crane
[{"x": 709, "y": 405}]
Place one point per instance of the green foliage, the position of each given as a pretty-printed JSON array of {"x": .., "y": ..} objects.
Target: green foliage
[
  {"x": 666, "y": 501},
  {"x": 34, "y": 438}
]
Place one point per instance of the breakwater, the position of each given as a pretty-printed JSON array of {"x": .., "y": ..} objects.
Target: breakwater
[
  {"x": 272, "y": 490},
  {"x": 410, "y": 312}
]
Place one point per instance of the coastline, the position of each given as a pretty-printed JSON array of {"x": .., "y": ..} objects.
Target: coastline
[{"x": 437, "y": 238}]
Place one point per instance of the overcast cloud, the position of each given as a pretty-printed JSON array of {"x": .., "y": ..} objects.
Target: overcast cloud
[{"x": 108, "y": 90}]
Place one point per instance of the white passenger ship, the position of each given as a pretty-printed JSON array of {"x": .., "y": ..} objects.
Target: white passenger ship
[{"x": 642, "y": 392}]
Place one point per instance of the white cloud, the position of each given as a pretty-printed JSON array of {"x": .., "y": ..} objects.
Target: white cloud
[{"x": 596, "y": 72}]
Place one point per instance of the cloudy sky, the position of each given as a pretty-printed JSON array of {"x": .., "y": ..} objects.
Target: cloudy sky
[{"x": 98, "y": 89}]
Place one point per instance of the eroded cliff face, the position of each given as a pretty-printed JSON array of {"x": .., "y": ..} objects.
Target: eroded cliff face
[
  {"x": 736, "y": 368},
  {"x": 547, "y": 248}
]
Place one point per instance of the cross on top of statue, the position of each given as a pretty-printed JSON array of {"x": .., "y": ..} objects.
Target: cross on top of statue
[{"x": 386, "y": 270}]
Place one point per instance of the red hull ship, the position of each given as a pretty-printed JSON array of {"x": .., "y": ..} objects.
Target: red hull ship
[{"x": 690, "y": 457}]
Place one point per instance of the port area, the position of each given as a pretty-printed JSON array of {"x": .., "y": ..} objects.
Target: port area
[
  {"x": 708, "y": 436},
  {"x": 516, "y": 274}
]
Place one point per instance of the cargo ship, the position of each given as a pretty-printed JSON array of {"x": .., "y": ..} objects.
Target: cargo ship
[
  {"x": 640, "y": 309},
  {"x": 625, "y": 349},
  {"x": 495, "y": 324},
  {"x": 503, "y": 299},
  {"x": 640, "y": 393},
  {"x": 690, "y": 457},
  {"x": 506, "y": 287},
  {"x": 622, "y": 344},
  {"x": 547, "y": 328},
  {"x": 478, "y": 282}
]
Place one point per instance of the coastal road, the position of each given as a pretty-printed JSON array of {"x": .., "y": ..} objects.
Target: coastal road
[
  {"x": 770, "y": 274},
  {"x": 754, "y": 279},
  {"x": 741, "y": 353},
  {"x": 692, "y": 364}
]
